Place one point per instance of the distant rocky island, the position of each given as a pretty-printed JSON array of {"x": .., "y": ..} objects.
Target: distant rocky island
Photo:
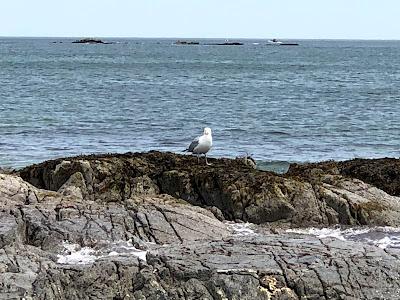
[
  {"x": 161, "y": 226},
  {"x": 90, "y": 41},
  {"x": 179, "y": 42},
  {"x": 226, "y": 43},
  {"x": 182, "y": 42}
]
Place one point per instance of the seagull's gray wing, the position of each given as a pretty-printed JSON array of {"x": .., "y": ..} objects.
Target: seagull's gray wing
[{"x": 193, "y": 144}]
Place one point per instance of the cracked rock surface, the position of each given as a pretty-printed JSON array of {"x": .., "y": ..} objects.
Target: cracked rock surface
[
  {"x": 151, "y": 226},
  {"x": 309, "y": 195}
]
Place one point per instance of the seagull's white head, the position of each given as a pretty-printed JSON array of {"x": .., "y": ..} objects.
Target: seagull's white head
[{"x": 207, "y": 131}]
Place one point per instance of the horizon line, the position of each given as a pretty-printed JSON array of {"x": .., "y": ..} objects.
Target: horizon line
[{"x": 203, "y": 38}]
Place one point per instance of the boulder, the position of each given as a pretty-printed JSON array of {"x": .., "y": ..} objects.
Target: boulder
[{"x": 46, "y": 218}]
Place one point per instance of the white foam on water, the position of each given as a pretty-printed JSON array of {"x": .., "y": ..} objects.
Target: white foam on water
[
  {"x": 76, "y": 255},
  {"x": 126, "y": 248},
  {"x": 341, "y": 234},
  {"x": 387, "y": 241},
  {"x": 382, "y": 237},
  {"x": 383, "y": 243},
  {"x": 241, "y": 228}
]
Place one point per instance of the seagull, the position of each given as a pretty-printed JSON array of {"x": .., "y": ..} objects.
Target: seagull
[{"x": 201, "y": 144}]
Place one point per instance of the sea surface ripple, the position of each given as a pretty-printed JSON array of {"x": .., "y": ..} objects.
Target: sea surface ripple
[{"x": 321, "y": 100}]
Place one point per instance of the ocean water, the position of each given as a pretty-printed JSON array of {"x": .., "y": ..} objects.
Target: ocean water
[
  {"x": 321, "y": 100},
  {"x": 382, "y": 237}
]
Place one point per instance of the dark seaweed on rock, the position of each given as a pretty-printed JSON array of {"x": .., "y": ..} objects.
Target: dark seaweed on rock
[
  {"x": 383, "y": 173},
  {"x": 314, "y": 194}
]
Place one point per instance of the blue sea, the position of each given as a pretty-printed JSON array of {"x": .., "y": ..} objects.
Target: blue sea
[{"x": 323, "y": 99}]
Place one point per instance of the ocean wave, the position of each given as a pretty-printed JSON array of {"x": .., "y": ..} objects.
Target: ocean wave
[
  {"x": 382, "y": 237},
  {"x": 74, "y": 254}
]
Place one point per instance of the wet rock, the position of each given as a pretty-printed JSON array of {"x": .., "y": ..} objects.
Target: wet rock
[
  {"x": 55, "y": 217},
  {"x": 307, "y": 196},
  {"x": 276, "y": 266},
  {"x": 383, "y": 173},
  {"x": 153, "y": 202},
  {"x": 75, "y": 186},
  {"x": 248, "y": 161},
  {"x": 284, "y": 266}
]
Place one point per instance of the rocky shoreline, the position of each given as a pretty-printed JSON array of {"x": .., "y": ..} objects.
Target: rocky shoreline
[{"x": 161, "y": 226}]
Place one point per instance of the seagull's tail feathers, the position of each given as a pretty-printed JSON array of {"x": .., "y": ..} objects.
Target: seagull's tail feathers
[{"x": 186, "y": 150}]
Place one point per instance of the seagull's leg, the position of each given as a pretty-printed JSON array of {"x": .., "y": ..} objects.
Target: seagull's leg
[
  {"x": 205, "y": 155},
  {"x": 198, "y": 158}
]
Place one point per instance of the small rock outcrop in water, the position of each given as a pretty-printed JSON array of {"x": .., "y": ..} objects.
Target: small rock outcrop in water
[
  {"x": 90, "y": 41},
  {"x": 180, "y": 42},
  {"x": 62, "y": 222},
  {"x": 227, "y": 43}
]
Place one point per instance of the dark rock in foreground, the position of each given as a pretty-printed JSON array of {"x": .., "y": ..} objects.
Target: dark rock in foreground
[{"x": 149, "y": 226}]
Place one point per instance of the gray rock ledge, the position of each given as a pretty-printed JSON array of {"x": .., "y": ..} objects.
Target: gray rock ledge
[{"x": 171, "y": 210}]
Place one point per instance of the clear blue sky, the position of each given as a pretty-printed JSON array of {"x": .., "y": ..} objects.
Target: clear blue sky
[{"x": 334, "y": 19}]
